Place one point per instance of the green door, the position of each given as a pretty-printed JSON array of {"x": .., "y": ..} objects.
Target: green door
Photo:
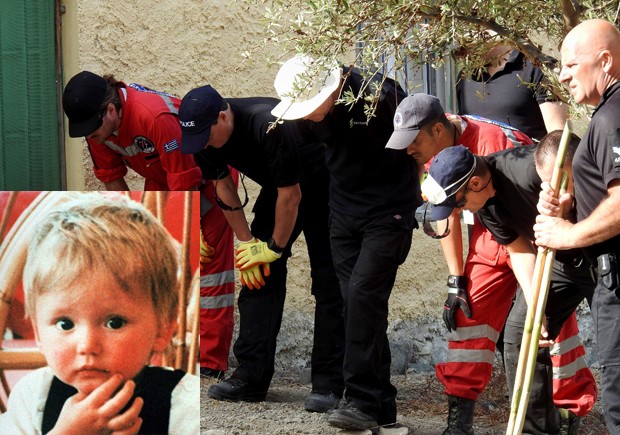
[{"x": 30, "y": 149}]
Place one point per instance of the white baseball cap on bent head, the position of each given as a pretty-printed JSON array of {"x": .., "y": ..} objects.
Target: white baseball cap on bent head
[
  {"x": 413, "y": 113},
  {"x": 303, "y": 84}
]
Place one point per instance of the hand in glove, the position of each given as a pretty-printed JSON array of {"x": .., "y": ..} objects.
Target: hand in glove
[
  {"x": 206, "y": 251},
  {"x": 252, "y": 278},
  {"x": 457, "y": 298},
  {"x": 251, "y": 254}
]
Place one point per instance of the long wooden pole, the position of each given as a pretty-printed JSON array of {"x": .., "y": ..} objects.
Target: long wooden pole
[
  {"x": 536, "y": 308},
  {"x": 525, "y": 342}
]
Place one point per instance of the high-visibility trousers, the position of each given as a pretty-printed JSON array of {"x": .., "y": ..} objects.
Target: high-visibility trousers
[
  {"x": 471, "y": 347},
  {"x": 217, "y": 289},
  {"x": 574, "y": 386}
]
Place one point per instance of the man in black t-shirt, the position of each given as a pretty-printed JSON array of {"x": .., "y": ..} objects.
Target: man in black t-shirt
[
  {"x": 507, "y": 206},
  {"x": 511, "y": 90},
  {"x": 374, "y": 193},
  {"x": 591, "y": 70},
  {"x": 292, "y": 199}
]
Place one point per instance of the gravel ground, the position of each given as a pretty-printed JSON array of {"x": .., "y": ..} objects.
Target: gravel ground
[{"x": 422, "y": 408}]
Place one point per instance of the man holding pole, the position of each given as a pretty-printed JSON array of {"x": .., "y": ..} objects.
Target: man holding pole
[
  {"x": 480, "y": 290},
  {"x": 591, "y": 69},
  {"x": 503, "y": 189}
]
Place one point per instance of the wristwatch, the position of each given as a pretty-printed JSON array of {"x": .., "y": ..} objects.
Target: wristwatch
[
  {"x": 271, "y": 244},
  {"x": 457, "y": 281}
]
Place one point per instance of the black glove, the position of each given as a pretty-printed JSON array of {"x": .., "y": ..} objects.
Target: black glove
[{"x": 457, "y": 297}]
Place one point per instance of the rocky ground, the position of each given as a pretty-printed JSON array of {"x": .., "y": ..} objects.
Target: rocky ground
[
  {"x": 422, "y": 409},
  {"x": 417, "y": 342}
]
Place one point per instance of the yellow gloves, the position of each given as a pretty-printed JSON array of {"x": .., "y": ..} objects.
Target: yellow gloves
[
  {"x": 206, "y": 251},
  {"x": 252, "y": 278},
  {"x": 250, "y": 274},
  {"x": 243, "y": 245},
  {"x": 252, "y": 254}
]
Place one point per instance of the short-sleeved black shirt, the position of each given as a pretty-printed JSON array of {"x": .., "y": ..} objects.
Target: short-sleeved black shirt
[
  {"x": 278, "y": 158},
  {"x": 597, "y": 163},
  {"x": 512, "y": 95},
  {"x": 366, "y": 179},
  {"x": 512, "y": 211}
]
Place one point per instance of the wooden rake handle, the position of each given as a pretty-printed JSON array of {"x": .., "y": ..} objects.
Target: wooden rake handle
[{"x": 536, "y": 307}]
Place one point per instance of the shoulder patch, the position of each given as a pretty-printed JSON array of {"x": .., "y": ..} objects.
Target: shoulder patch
[
  {"x": 171, "y": 146},
  {"x": 143, "y": 144},
  {"x": 613, "y": 142}
]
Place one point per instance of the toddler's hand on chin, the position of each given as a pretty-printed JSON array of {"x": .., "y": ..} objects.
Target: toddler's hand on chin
[{"x": 101, "y": 411}]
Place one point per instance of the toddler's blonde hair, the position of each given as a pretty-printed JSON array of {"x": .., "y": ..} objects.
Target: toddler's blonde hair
[{"x": 98, "y": 232}]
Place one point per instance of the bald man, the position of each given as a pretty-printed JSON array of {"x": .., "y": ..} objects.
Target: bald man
[{"x": 591, "y": 70}]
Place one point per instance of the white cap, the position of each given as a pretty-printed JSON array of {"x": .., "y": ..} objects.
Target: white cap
[{"x": 303, "y": 84}]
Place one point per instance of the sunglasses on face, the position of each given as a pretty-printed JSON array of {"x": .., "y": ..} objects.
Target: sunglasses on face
[{"x": 463, "y": 201}]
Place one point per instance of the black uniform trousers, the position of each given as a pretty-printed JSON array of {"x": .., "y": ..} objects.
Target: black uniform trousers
[
  {"x": 260, "y": 311},
  {"x": 606, "y": 314},
  {"x": 367, "y": 253},
  {"x": 571, "y": 283}
]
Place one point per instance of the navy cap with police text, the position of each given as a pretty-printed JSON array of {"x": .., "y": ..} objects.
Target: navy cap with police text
[
  {"x": 199, "y": 110},
  {"x": 82, "y": 99},
  {"x": 449, "y": 171}
]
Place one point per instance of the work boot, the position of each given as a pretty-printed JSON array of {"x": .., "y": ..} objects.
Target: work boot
[
  {"x": 321, "y": 401},
  {"x": 570, "y": 422},
  {"x": 351, "y": 418},
  {"x": 460, "y": 416},
  {"x": 236, "y": 390}
]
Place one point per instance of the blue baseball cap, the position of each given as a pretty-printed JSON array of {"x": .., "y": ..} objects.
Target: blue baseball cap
[
  {"x": 450, "y": 170},
  {"x": 199, "y": 110}
]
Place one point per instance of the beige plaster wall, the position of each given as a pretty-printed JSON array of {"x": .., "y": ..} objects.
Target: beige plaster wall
[
  {"x": 172, "y": 46},
  {"x": 176, "y": 45}
]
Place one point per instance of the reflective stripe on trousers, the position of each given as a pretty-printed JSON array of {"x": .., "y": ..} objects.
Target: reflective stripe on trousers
[
  {"x": 217, "y": 291},
  {"x": 471, "y": 347},
  {"x": 574, "y": 386}
]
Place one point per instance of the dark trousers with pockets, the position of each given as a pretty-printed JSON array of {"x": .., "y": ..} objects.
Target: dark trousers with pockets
[
  {"x": 367, "y": 253},
  {"x": 606, "y": 314}
]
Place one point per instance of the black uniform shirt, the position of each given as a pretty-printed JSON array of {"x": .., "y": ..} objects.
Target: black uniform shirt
[
  {"x": 512, "y": 211},
  {"x": 512, "y": 95},
  {"x": 597, "y": 163},
  {"x": 366, "y": 178},
  {"x": 278, "y": 158}
]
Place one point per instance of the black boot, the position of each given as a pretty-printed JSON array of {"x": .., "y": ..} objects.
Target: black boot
[
  {"x": 460, "y": 416},
  {"x": 570, "y": 422}
]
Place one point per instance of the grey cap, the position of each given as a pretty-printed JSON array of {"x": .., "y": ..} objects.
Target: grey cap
[{"x": 411, "y": 115}]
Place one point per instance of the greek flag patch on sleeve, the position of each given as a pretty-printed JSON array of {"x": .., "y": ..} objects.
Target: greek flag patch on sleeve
[{"x": 171, "y": 146}]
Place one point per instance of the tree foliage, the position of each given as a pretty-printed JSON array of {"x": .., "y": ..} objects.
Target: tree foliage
[{"x": 381, "y": 34}]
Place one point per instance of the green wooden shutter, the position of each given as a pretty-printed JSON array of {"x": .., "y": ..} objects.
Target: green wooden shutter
[{"x": 29, "y": 141}]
